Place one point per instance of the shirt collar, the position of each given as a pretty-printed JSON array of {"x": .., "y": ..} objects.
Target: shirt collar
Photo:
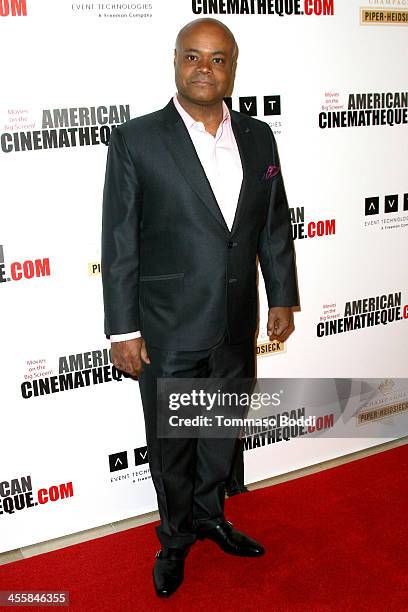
[{"x": 190, "y": 121}]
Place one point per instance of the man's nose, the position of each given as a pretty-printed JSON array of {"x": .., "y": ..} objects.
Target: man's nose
[{"x": 204, "y": 66}]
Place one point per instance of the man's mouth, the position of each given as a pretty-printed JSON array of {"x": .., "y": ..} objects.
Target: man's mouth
[{"x": 200, "y": 82}]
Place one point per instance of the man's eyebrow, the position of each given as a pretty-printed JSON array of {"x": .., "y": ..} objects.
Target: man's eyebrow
[{"x": 198, "y": 51}]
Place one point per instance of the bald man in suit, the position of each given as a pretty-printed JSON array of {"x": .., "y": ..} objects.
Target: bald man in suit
[{"x": 193, "y": 196}]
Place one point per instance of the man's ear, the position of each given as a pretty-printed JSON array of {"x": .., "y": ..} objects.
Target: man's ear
[
  {"x": 175, "y": 57},
  {"x": 232, "y": 81}
]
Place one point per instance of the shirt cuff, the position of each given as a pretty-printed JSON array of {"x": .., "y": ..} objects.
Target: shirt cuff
[{"x": 129, "y": 336}]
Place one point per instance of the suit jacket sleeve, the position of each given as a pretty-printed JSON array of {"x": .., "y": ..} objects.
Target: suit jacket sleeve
[
  {"x": 121, "y": 215},
  {"x": 275, "y": 248}
]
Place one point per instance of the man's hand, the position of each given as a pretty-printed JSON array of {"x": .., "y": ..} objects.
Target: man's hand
[
  {"x": 280, "y": 323},
  {"x": 128, "y": 355}
]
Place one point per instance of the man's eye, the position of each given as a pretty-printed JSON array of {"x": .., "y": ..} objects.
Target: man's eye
[
  {"x": 191, "y": 58},
  {"x": 218, "y": 60}
]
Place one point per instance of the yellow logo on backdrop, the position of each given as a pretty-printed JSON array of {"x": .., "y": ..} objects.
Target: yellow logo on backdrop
[
  {"x": 94, "y": 268},
  {"x": 265, "y": 349},
  {"x": 376, "y": 414},
  {"x": 383, "y": 17}
]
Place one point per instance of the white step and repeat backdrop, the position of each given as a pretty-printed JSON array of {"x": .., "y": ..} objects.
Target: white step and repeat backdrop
[{"x": 330, "y": 78}]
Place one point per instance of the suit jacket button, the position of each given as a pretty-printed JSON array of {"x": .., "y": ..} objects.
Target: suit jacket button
[{"x": 230, "y": 244}]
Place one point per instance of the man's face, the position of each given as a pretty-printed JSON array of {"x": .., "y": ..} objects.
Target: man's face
[{"x": 204, "y": 64}]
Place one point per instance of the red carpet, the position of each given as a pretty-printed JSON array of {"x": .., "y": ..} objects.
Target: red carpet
[{"x": 335, "y": 540}]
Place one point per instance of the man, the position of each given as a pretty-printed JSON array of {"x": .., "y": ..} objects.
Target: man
[{"x": 193, "y": 194}]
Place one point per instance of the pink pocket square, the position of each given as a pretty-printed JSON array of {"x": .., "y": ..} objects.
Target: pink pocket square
[{"x": 270, "y": 172}]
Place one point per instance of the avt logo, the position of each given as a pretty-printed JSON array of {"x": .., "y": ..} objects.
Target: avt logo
[
  {"x": 390, "y": 204},
  {"x": 23, "y": 270},
  {"x": 119, "y": 461},
  {"x": 249, "y": 105},
  {"x": 13, "y": 8}
]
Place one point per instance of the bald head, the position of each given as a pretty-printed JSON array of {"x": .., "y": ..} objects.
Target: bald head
[{"x": 207, "y": 24}]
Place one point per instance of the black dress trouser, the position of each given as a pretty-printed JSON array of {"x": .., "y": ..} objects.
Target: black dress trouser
[{"x": 189, "y": 474}]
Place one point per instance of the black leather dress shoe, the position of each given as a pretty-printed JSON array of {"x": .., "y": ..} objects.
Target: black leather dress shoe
[
  {"x": 168, "y": 570},
  {"x": 232, "y": 541}
]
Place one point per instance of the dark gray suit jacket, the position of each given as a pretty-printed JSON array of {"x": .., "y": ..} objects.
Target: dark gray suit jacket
[{"x": 170, "y": 266}]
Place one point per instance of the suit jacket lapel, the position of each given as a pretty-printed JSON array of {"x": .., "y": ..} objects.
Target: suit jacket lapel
[
  {"x": 178, "y": 141},
  {"x": 242, "y": 135}
]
